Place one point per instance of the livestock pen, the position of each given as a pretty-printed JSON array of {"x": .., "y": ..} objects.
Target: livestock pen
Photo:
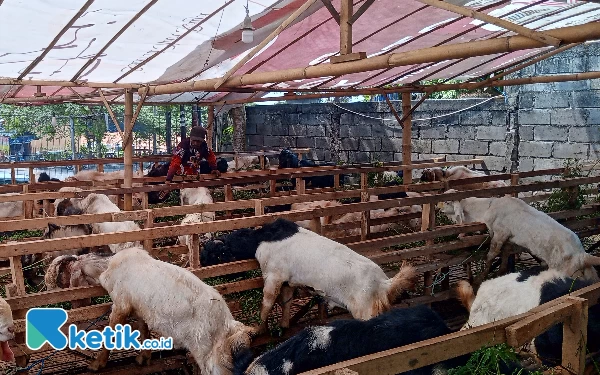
[{"x": 441, "y": 257}]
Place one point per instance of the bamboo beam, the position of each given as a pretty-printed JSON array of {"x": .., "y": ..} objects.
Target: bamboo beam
[
  {"x": 112, "y": 115},
  {"x": 58, "y": 98},
  {"x": 210, "y": 126},
  {"x": 128, "y": 148},
  {"x": 266, "y": 41},
  {"x": 174, "y": 41},
  {"x": 535, "y": 35},
  {"x": 406, "y": 137},
  {"x": 571, "y": 34},
  {"x": 112, "y": 40},
  {"x": 334, "y": 13},
  {"x": 97, "y": 85},
  {"x": 56, "y": 39},
  {"x": 346, "y": 27},
  {"x": 363, "y": 8}
]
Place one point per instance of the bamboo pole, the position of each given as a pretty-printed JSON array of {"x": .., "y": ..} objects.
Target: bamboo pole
[
  {"x": 128, "y": 148},
  {"x": 96, "y": 85},
  {"x": 46, "y": 99},
  {"x": 535, "y": 35},
  {"x": 210, "y": 126},
  {"x": 346, "y": 27},
  {"x": 406, "y": 138},
  {"x": 571, "y": 34},
  {"x": 266, "y": 41}
]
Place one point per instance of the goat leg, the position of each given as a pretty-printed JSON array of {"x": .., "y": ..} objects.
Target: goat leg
[
  {"x": 270, "y": 293},
  {"x": 144, "y": 357},
  {"x": 118, "y": 315},
  {"x": 495, "y": 250}
]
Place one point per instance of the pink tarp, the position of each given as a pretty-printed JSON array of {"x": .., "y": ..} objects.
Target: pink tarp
[{"x": 387, "y": 26}]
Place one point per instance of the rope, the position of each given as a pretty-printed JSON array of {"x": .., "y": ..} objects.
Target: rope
[
  {"x": 42, "y": 361},
  {"x": 439, "y": 277},
  {"x": 419, "y": 119}
]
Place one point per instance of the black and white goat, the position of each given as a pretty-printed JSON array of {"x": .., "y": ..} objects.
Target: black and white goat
[
  {"x": 296, "y": 256},
  {"x": 287, "y": 159},
  {"x": 341, "y": 340},
  {"x": 519, "y": 292}
]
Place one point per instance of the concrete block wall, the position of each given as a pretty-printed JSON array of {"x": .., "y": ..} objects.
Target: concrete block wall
[
  {"x": 367, "y": 132},
  {"x": 561, "y": 120}
]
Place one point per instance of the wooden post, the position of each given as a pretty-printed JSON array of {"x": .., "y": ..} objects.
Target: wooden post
[
  {"x": 141, "y": 166},
  {"x": 228, "y": 198},
  {"x": 145, "y": 200},
  {"x": 100, "y": 167},
  {"x": 259, "y": 207},
  {"x": 300, "y": 186},
  {"x": 428, "y": 223},
  {"x": 406, "y": 138},
  {"x": 514, "y": 181},
  {"x": 13, "y": 177},
  {"x": 272, "y": 187},
  {"x": 149, "y": 243},
  {"x": 336, "y": 181},
  {"x": 16, "y": 270},
  {"x": 77, "y": 168},
  {"x": 210, "y": 126},
  {"x": 128, "y": 148},
  {"x": 575, "y": 337},
  {"x": 27, "y": 205},
  {"x": 31, "y": 176},
  {"x": 365, "y": 216},
  {"x": 261, "y": 159},
  {"x": 346, "y": 27},
  {"x": 195, "y": 251},
  {"x": 315, "y": 225}
]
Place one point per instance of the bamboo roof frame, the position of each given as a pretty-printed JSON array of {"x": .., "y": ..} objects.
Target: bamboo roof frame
[{"x": 242, "y": 83}]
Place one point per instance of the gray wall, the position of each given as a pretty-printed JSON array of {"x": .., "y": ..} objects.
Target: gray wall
[{"x": 533, "y": 127}]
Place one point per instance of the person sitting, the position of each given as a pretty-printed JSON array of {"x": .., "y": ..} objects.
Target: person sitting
[{"x": 189, "y": 154}]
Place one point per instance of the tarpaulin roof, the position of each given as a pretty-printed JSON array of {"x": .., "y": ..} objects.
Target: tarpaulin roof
[{"x": 165, "y": 41}]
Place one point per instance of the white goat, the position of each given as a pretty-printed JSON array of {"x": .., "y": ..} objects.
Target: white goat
[
  {"x": 511, "y": 219},
  {"x": 11, "y": 209},
  {"x": 309, "y": 224},
  {"x": 195, "y": 196},
  {"x": 175, "y": 303},
  {"x": 414, "y": 224},
  {"x": 101, "y": 176},
  {"x": 457, "y": 173},
  {"x": 7, "y": 331},
  {"x": 246, "y": 162},
  {"x": 287, "y": 253},
  {"x": 99, "y": 204}
]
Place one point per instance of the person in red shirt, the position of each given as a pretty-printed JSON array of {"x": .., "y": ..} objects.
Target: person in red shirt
[{"x": 188, "y": 154}]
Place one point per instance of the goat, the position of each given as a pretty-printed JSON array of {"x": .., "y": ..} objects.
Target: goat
[
  {"x": 7, "y": 331},
  {"x": 519, "y": 292},
  {"x": 414, "y": 224},
  {"x": 11, "y": 209},
  {"x": 44, "y": 177},
  {"x": 511, "y": 219},
  {"x": 101, "y": 176},
  {"x": 70, "y": 271},
  {"x": 342, "y": 340},
  {"x": 309, "y": 224},
  {"x": 457, "y": 173},
  {"x": 195, "y": 196},
  {"x": 97, "y": 204},
  {"x": 288, "y": 253},
  {"x": 174, "y": 303},
  {"x": 246, "y": 163},
  {"x": 287, "y": 159}
]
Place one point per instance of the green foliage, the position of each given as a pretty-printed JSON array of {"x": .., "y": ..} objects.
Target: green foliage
[
  {"x": 487, "y": 360},
  {"x": 565, "y": 198},
  {"x": 21, "y": 234}
]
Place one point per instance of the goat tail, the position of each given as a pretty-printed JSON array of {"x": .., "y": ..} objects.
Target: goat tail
[
  {"x": 591, "y": 260},
  {"x": 405, "y": 279},
  {"x": 465, "y": 294}
]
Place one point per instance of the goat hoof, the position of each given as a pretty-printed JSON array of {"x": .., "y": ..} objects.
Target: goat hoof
[
  {"x": 143, "y": 359},
  {"x": 96, "y": 366}
]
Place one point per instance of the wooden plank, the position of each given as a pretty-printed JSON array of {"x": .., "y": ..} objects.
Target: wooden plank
[
  {"x": 16, "y": 270},
  {"x": 575, "y": 338},
  {"x": 194, "y": 252},
  {"x": 406, "y": 139},
  {"x": 528, "y": 328}
]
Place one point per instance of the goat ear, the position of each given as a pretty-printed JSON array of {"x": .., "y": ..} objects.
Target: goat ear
[
  {"x": 53, "y": 227},
  {"x": 592, "y": 260},
  {"x": 458, "y": 212}
]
